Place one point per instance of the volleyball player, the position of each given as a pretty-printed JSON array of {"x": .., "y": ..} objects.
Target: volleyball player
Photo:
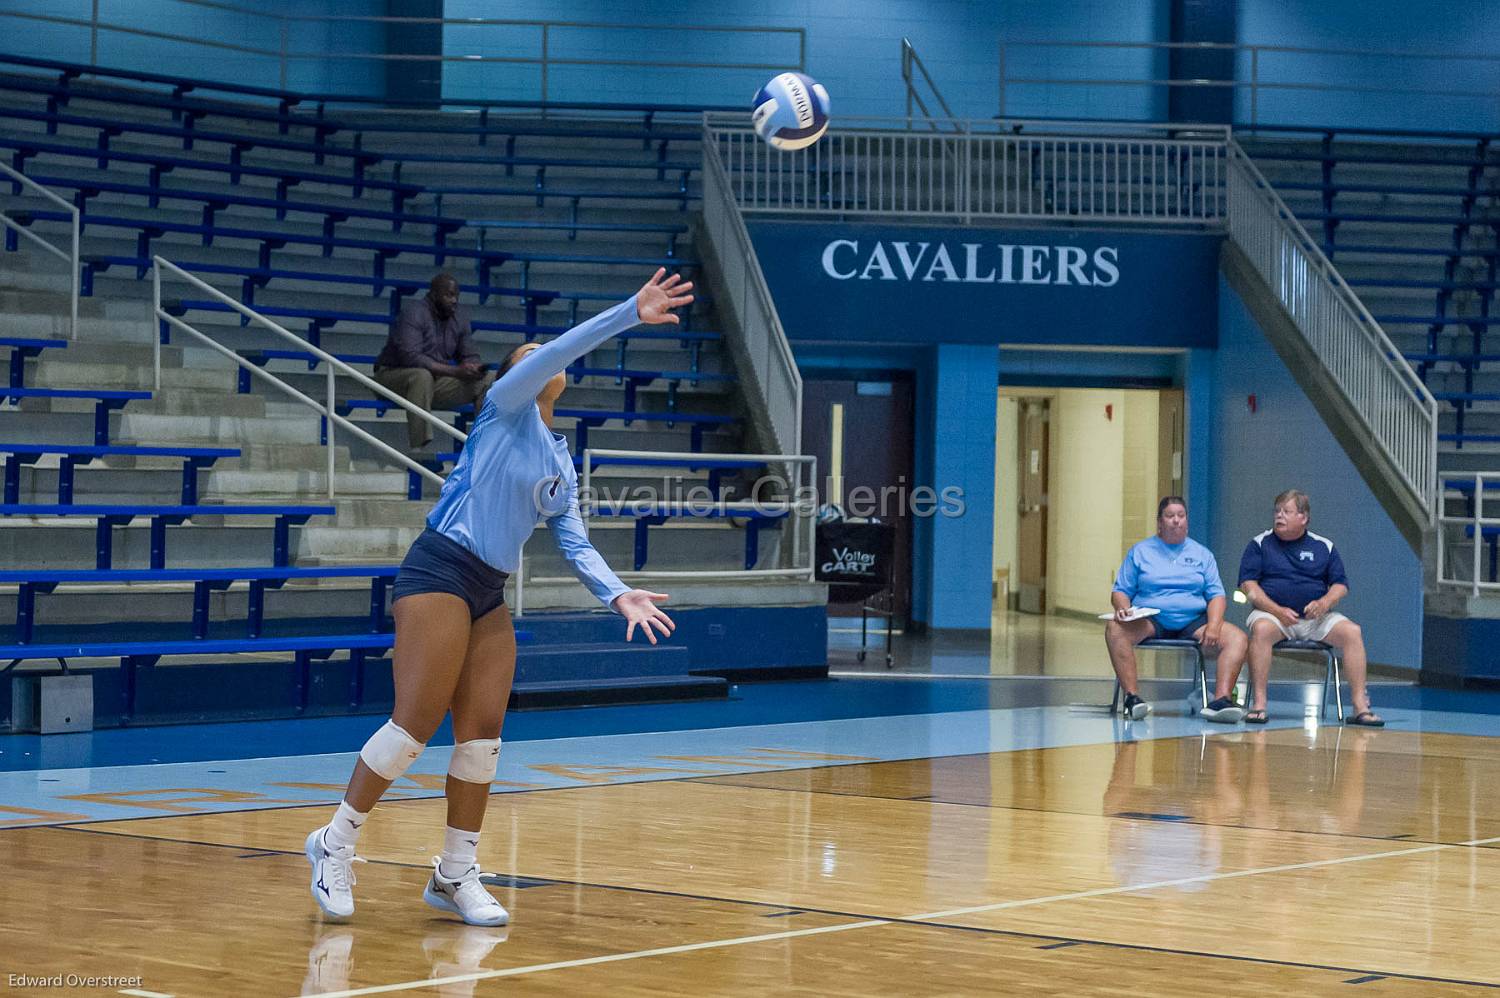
[{"x": 455, "y": 645}]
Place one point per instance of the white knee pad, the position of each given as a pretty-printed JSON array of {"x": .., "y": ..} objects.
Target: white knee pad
[
  {"x": 475, "y": 761},
  {"x": 390, "y": 751}
]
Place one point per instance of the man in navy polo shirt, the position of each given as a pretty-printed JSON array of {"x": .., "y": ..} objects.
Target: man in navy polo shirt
[{"x": 1294, "y": 578}]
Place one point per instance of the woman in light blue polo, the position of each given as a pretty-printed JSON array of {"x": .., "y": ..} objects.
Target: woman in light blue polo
[{"x": 1175, "y": 575}]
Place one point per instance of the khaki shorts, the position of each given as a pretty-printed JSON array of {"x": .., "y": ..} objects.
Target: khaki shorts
[{"x": 1302, "y": 630}]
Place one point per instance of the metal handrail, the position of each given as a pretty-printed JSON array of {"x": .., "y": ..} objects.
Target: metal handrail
[
  {"x": 1254, "y": 85},
  {"x": 543, "y": 58},
  {"x": 1476, "y": 524},
  {"x": 1289, "y": 267},
  {"x": 71, "y": 259},
  {"x": 772, "y": 365},
  {"x": 1143, "y": 174},
  {"x": 909, "y": 61},
  {"x": 325, "y": 409}
]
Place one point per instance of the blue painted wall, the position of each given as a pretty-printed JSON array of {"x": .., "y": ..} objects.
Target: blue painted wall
[
  {"x": 1285, "y": 444},
  {"x": 956, "y": 421},
  {"x": 852, "y": 48},
  {"x": 261, "y": 31},
  {"x": 1446, "y": 27}
]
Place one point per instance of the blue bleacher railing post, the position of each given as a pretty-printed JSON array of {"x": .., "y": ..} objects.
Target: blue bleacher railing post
[
  {"x": 65, "y": 468},
  {"x": 377, "y": 604},
  {"x": 103, "y": 542},
  {"x": 255, "y": 613}
]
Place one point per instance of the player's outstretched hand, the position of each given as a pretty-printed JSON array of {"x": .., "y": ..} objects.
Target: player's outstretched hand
[
  {"x": 658, "y": 296},
  {"x": 639, "y": 608}
]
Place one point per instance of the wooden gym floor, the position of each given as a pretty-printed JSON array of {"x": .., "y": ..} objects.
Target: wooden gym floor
[{"x": 1293, "y": 861}]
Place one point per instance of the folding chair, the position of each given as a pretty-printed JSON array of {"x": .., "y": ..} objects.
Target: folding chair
[
  {"x": 1182, "y": 644},
  {"x": 1331, "y": 673}
]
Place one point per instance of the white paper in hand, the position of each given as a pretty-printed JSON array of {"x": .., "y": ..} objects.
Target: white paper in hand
[{"x": 1135, "y": 613}]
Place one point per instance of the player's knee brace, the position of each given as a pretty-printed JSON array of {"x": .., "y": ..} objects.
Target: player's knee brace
[
  {"x": 475, "y": 761},
  {"x": 390, "y": 751}
]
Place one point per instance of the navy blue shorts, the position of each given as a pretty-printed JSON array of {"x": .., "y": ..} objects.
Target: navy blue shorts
[
  {"x": 1159, "y": 632},
  {"x": 436, "y": 564}
]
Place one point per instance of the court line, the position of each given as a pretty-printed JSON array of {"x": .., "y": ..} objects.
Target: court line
[
  {"x": 538, "y": 968},
  {"x": 892, "y": 920}
]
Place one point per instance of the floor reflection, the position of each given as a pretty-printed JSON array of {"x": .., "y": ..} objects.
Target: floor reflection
[
  {"x": 1018, "y": 644},
  {"x": 448, "y": 951}
]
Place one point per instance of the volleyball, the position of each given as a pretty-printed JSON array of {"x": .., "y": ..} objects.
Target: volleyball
[{"x": 791, "y": 111}]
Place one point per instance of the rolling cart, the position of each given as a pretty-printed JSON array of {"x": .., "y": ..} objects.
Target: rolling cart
[{"x": 854, "y": 558}]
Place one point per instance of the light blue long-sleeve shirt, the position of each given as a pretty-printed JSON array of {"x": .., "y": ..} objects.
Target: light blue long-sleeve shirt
[{"x": 514, "y": 472}]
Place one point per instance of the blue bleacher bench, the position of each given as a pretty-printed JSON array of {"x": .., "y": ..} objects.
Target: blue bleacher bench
[
  {"x": 714, "y": 464},
  {"x": 23, "y": 348},
  {"x": 105, "y": 402},
  {"x": 274, "y": 239},
  {"x": 648, "y": 515},
  {"x": 636, "y": 379},
  {"x": 161, "y": 517},
  {"x": 182, "y": 108},
  {"x": 574, "y": 227},
  {"x": 215, "y": 201},
  {"x": 180, "y": 85},
  {"x": 160, "y": 163},
  {"x": 541, "y": 192},
  {"x": 239, "y": 142},
  {"x": 137, "y": 655},
  {"x": 31, "y": 582},
  {"x": 588, "y": 419},
  {"x": 18, "y": 454}
]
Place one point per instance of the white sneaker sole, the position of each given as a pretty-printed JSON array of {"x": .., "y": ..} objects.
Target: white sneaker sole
[
  {"x": 1139, "y": 712},
  {"x": 1229, "y": 715},
  {"x": 311, "y": 849},
  {"x": 443, "y": 904}
]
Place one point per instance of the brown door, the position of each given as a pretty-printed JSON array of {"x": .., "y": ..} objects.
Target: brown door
[
  {"x": 871, "y": 423},
  {"x": 1031, "y": 476},
  {"x": 1170, "y": 454}
]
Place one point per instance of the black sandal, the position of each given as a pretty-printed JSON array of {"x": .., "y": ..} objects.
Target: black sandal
[
  {"x": 1256, "y": 717},
  {"x": 1365, "y": 719}
]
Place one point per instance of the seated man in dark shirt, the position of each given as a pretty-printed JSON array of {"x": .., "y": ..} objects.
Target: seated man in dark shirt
[
  {"x": 1294, "y": 578},
  {"x": 429, "y": 358}
]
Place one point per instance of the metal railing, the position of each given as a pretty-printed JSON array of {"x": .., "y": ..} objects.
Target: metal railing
[
  {"x": 326, "y": 409},
  {"x": 912, "y": 68},
  {"x": 1390, "y": 399},
  {"x": 531, "y": 44},
  {"x": 971, "y": 170},
  {"x": 70, "y": 258},
  {"x": 1250, "y": 72},
  {"x": 762, "y": 342},
  {"x": 1470, "y": 534}
]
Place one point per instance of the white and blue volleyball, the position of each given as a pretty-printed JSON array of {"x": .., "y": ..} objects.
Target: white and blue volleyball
[{"x": 791, "y": 111}]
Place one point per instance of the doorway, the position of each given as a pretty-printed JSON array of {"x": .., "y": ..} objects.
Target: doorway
[
  {"x": 863, "y": 435},
  {"x": 1078, "y": 475}
]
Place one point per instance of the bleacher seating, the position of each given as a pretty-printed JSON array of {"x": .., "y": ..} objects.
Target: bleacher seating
[
  {"x": 273, "y": 194},
  {"x": 1408, "y": 217}
]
